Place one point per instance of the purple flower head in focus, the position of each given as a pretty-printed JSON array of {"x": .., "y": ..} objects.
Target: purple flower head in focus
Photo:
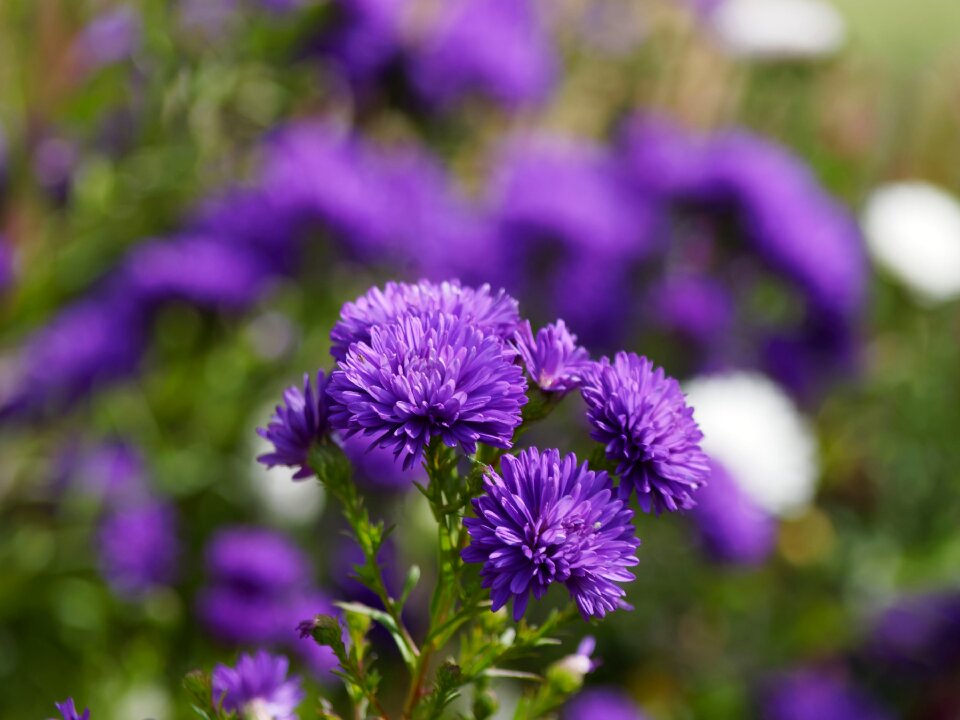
[
  {"x": 641, "y": 417},
  {"x": 733, "y": 528},
  {"x": 499, "y": 48},
  {"x": 258, "y": 687},
  {"x": 552, "y": 358},
  {"x": 546, "y": 519},
  {"x": 492, "y": 312},
  {"x": 298, "y": 423},
  {"x": 68, "y": 710},
  {"x": 139, "y": 547},
  {"x": 426, "y": 376},
  {"x": 607, "y": 703},
  {"x": 817, "y": 694}
]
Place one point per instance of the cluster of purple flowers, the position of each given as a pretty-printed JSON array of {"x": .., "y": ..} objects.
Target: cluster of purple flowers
[
  {"x": 258, "y": 587},
  {"x": 440, "y": 361}
]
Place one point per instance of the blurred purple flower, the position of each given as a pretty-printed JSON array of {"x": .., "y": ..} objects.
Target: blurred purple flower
[
  {"x": 639, "y": 414},
  {"x": 546, "y": 519},
  {"x": 257, "y": 687},
  {"x": 206, "y": 271},
  {"x": 68, "y": 710},
  {"x": 817, "y": 694},
  {"x": 426, "y": 376},
  {"x": 114, "y": 36},
  {"x": 607, "y": 703},
  {"x": 570, "y": 229},
  {"x": 698, "y": 308},
  {"x": 364, "y": 37},
  {"x": 553, "y": 359},
  {"x": 378, "y": 469},
  {"x": 111, "y": 471},
  {"x": 918, "y": 635},
  {"x": 491, "y": 312},
  {"x": 54, "y": 162},
  {"x": 95, "y": 340},
  {"x": 298, "y": 423},
  {"x": 139, "y": 547},
  {"x": 733, "y": 529},
  {"x": 498, "y": 48}
]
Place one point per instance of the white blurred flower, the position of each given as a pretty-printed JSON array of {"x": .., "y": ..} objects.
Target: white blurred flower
[
  {"x": 913, "y": 232},
  {"x": 291, "y": 501},
  {"x": 779, "y": 29},
  {"x": 757, "y": 433}
]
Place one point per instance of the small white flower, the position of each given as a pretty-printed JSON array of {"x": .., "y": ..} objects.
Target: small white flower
[
  {"x": 752, "y": 428},
  {"x": 775, "y": 29},
  {"x": 913, "y": 232}
]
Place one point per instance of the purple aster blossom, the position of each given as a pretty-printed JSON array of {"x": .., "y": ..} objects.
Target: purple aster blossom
[
  {"x": 138, "y": 547},
  {"x": 95, "y": 340},
  {"x": 258, "y": 687},
  {"x": 255, "y": 560},
  {"x": 297, "y": 424},
  {"x": 696, "y": 307},
  {"x": 114, "y": 36},
  {"x": 553, "y": 359},
  {"x": 917, "y": 635},
  {"x": 546, "y": 519},
  {"x": 364, "y": 38},
  {"x": 378, "y": 469},
  {"x": 641, "y": 417},
  {"x": 203, "y": 270},
  {"x": 733, "y": 529},
  {"x": 601, "y": 702},
  {"x": 254, "y": 578},
  {"x": 817, "y": 694},
  {"x": 491, "y": 312},
  {"x": 498, "y": 48},
  {"x": 426, "y": 376},
  {"x": 68, "y": 710}
]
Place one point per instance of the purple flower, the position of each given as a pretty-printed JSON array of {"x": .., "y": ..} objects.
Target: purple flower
[
  {"x": 54, "y": 161},
  {"x": 109, "y": 471},
  {"x": 816, "y": 694},
  {"x": 733, "y": 529},
  {"x": 495, "y": 313},
  {"x": 68, "y": 710},
  {"x": 552, "y": 358},
  {"x": 318, "y": 658},
  {"x": 698, "y": 308},
  {"x": 255, "y": 577},
  {"x": 435, "y": 375},
  {"x": 378, "y": 469},
  {"x": 258, "y": 687},
  {"x": 640, "y": 415},
  {"x": 90, "y": 342},
  {"x": 499, "y": 48},
  {"x": 545, "y": 520},
  {"x": 365, "y": 37},
  {"x": 139, "y": 547},
  {"x": 602, "y": 702},
  {"x": 110, "y": 38},
  {"x": 918, "y": 635},
  {"x": 203, "y": 270},
  {"x": 296, "y": 425}
]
